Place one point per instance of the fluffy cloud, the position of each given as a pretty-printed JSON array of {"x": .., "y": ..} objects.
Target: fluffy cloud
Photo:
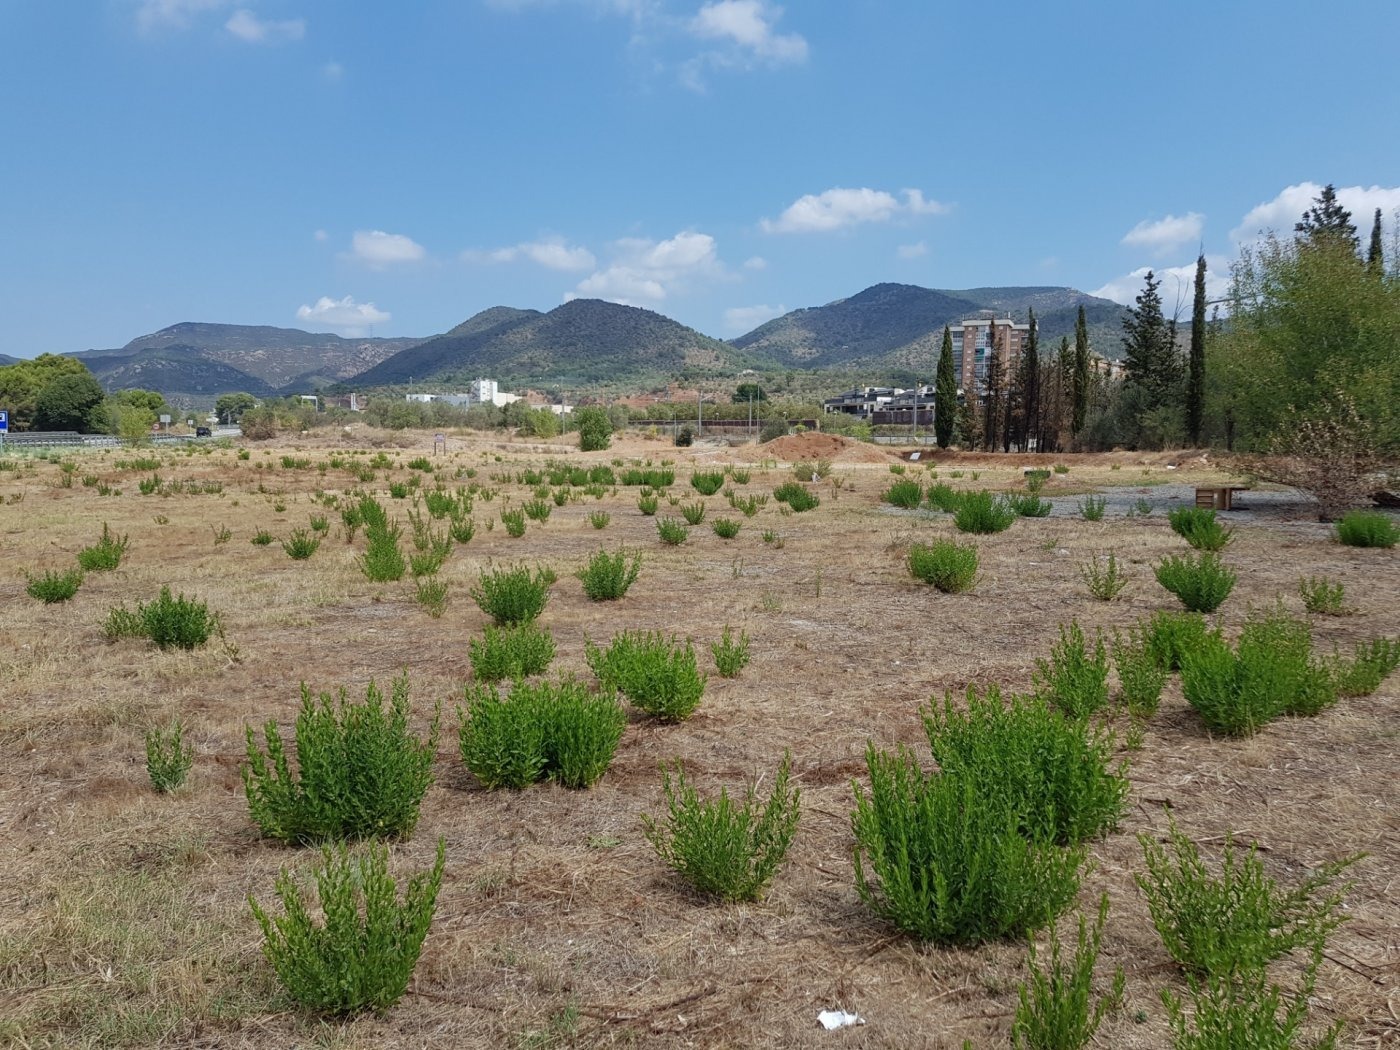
[
  {"x": 741, "y": 319},
  {"x": 912, "y": 251},
  {"x": 747, "y": 25},
  {"x": 251, "y": 29},
  {"x": 837, "y": 208},
  {"x": 1162, "y": 236},
  {"x": 1281, "y": 213},
  {"x": 756, "y": 262},
  {"x": 1177, "y": 285},
  {"x": 172, "y": 14},
  {"x": 379, "y": 249},
  {"x": 553, "y": 253},
  {"x": 644, "y": 271},
  {"x": 342, "y": 315}
]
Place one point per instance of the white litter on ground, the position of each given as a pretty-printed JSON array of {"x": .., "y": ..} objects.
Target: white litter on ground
[{"x": 834, "y": 1019}]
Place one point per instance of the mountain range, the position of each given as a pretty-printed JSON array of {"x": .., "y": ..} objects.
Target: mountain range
[{"x": 883, "y": 330}]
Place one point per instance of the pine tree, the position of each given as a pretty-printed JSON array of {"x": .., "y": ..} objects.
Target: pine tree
[
  {"x": 945, "y": 393},
  {"x": 991, "y": 429},
  {"x": 1375, "y": 258},
  {"x": 1030, "y": 386},
  {"x": 1327, "y": 222},
  {"x": 1196, "y": 366},
  {"x": 1150, "y": 357},
  {"x": 1079, "y": 383}
]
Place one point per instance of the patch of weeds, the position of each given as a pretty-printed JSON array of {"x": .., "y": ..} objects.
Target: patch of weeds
[
  {"x": 1105, "y": 581},
  {"x": 1369, "y": 665},
  {"x": 1320, "y": 595},
  {"x": 106, "y": 554},
  {"x": 1074, "y": 679},
  {"x": 731, "y": 654},
  {"x": 53, "y": 586},
  {"x": 725, "y": 528},
  {"x": 599, "y": 519},
  {"x": 431, "y": 593},
  {"x": 301, "y": 544},
  {"x": 1091, "y": 508},
  {"x": 168, "y": 757},
  {"x": 671, "y": 530},
  {"x": 1057, "y": 1009},
  {"x": 950, "y": 567}
]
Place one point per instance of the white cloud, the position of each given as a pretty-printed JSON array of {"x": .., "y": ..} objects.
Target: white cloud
[
  {"x": 321, "y": 235},
  {"x": 379, "y": 249},
  {"x": 1281, "y": 213},
  {"x": 756, "y": 262},
  {"x": 1177, "y": 285},
  {"x": 741, "y": 319},
  {"x": 553, "y": 253},
  {"x": 1162, "y": 236},
  {"x": 644, "y": 271},
  {"x": 152, "y": 15},
  {"x": 251, "y": 29},
  {"x": 747, "y": 25},
  {"x": 342, "y": 315},
  {"x": 912, "y": 251},
  {"x": 838, "y": 208}
]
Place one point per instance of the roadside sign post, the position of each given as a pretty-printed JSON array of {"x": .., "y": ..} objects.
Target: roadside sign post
[{"x": 4, "y": 424}]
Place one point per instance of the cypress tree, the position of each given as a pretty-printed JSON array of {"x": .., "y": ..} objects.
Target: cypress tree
[
  {"x": 1030, "y": 386},
  {"x": 1327, "y": 221},
  {"x": 991, "y": 429},
  {"x": 1196, "y": 366},
  {"x": 1375, "y": 258},
  {"x": 945, "y": 393},
  {"x": 1079, "y": 382}
]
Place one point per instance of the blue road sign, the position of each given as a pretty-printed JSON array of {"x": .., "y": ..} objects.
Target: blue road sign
[{"x": 4, "y": 420}]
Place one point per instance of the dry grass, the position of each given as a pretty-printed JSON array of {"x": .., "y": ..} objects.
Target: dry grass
[{"x": 123, "y": 918}]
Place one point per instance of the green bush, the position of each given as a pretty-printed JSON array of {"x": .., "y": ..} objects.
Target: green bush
[
  {"x": 707, "y": 483},
  {"x": 657, "y": 674},
  {"x": 725, "y": 528},
  {"x": 1171, "y": 635},
  {"x": 1091, "y": 508},
  {"x": 514, "y": 521},
  {"x": 361, "y": 956},
  {"x": 672, "y": 531},
  {"x": 1073, "y": 679},
  {"x": 1056, "y": 1008},
  {"x": 1320, "y": 595},
  {"x": 177, "y": 623},
  {"x": 262, "y": 538},
  {"x": 1028, "y": 504},
  {"x": 515, "y": 595},
  {"x": 1198, "y": 527},
  {"x": 731, "y": 654},
  {"x": 1050, "y": 773},
  {"x": 936, "y": 860},
  {"x": 360, "y": 773},
  {"x": 1140, "y": 675},
  {"x": 599, "y": 519},
  {"x": 725, "y": 848},
  {"x": 301, "y": 545},
  {"x": 981, "y": 512},
  {"x": 1371, "y": 663},
  {"x": 693, "y": 513},
  {"x": 383, "y": 561},
  {"x": 54, "y": 586},
  {"x": 1200, "y": 583},
  {"x": 1105, "y": 582},
  {"x": 537, "y": 510},
  {"x": 942, "y": 497},
  {"x": 122, "y": 622},
  {"x": 795, "y": 496},
  {"x": 607, "y": 577},
  {"x": 1367, "y": 528},
  {"x": 517, "y": 651},
  {"x": 168, "y": 757},
  {"x": 1237, "y": 922},
  {"x": 539, "y": 731},
  {"x": 948, "y": 566},
  {"x": 906, "y": 493},
  {"x": 647, "y": 505},
  {"x": 594, "y": 429},
  {"x": 105, "y": 554}
]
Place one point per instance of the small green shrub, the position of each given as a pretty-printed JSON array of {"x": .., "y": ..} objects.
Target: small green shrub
[
  {"x": 222, "y": 534},
  {"x": 516, "y": 651},
  {"x": 514, "y": 521},
  {"x": 462, "y": 530},
  {"x": 1320, "y": 595},
  {"x": 1198, "y": 527},
  {"x": 1367, "y": 528},
  {"x": 177, "y": 623},
  {"x": 795, "y": 496},
  {"x": 725, "y": 848},
  {"x": 1200, "y": 583},
  {"x": 707, "y": 483},
  {"x": 426, "y": 564},
  {"x": 1140, "y": 675},
  {"x": 647, "y": 505},
  {"x": 942, "y": 497},
  {"x": 1371, "y": 663},
  {"x": 1237, "y": 922},
  {"x": 1105, "y": 582},
  {"x": 383, "y": 560},
  {"x": 1028, "y": 504},
  {"x": 105, "y": 555},
  {"x": 599, "y": 519},
  {"x": 731, "y": 654},
  {"x": 1170, "y": 635},
  {"x": 906, "y": 493},
  {"x": 53, "y": 586},
  {"x": 1056, "y": 1008},
  {"x": 725, "y": 528},
  {"x": 1091, "y": 508},
  {"x": 168, "y": 757},
  {"x": 537, "y": 510},
  {"x": 320, "y": 524},
  {"x": 122, "y": 622},
  {"x": 1073, "y": 679},
  {"x": 431, "y": 594},
  {"x": 982, "y": 513},
  {"x": 515, "y": 595},
  {"x": 362, "y": 955},
  {"x": 948, "y": 566},
  {"x": 607, "y": 577},
  {"x": 360, "y": 773},
  {"x": 672, "y": 531},
  {"x": 693, "y": 513},
  {"x": 656, "y": 674},
  {"x": 301, "y": 545},
  {"x": 262, "y": 538}
]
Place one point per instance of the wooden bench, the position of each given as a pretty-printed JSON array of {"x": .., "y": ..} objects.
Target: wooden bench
[{"x": 1218, "y": 497}]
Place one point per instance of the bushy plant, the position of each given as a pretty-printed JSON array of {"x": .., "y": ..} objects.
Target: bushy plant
[
  {"x": 599, "y": 519},
  {"x": 1367, "y": 528},
  {"x": 948, "y": 566},
  {"x": 514, "y": 521},
  {"x": 122, "y": 622},
  {"x": 105, "y": 555},
  {"x": 301, "y": 545},
  {"x": 177, "y": 622},
  {"x": 538, "y": 731},
  {"x": 725, "y": 528},
  {"x": 1091, "y": 508},
  {"x": 707, "y": 483},
  {"x": 693, "y": 513},
  {"x": 1323, "y": 596},
  {"x": 1105, "y": 581},
  {"x": 426, "y": 564},
  {"x": 431, "y": 594},
  {"x": 672, "y": 531},
  {"x": 655, "y": 673},
  {"x": 1241, "y": 920},
  {"x": 1198, "y": 527},
  {"x": 1074, "y": 679},
  {"x": 515, "y": 651},
  {"x": 168, "y": 757},
  {"x": 360, "y": 772},
  {"x": 383, "y": 560},
  {"x": 53, "y": 586},
  {"x": 262, "y": 538},
  {"x": 906, "y": 493},
  {"x": 362, "y": 954},
  {"x": 607, "y": 577},
  {"x": 1028, "y": 504},
  {"x": 723, "y": 847},
  {"x": 982, "y": 513},
  {"x": 943, "y": 497},
  {"x": 731, "y": 654},
  {"x": 1371, "y": 662},
  {"x": 514, "y": 595},
  {"x": 1057, "y": 1009},
  {"x": 795, "y": 496},
  {"x": 1171, "y": 635},
  {"x": 1201, "y": 583},
  {"x": 1140, "y": 675},
  {"x": 647, "y": 505}
]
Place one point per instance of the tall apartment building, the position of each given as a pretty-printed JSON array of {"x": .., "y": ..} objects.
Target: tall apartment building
[{"x": 973, "y": 339}]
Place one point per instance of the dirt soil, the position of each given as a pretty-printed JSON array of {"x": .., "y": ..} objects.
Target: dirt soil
[{"x": 124, "y": 919}]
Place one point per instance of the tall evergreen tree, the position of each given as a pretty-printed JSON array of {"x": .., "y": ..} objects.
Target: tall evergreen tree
[
  {"x": 1196, "y": 364},
  {"x": 1030, "y": 386},
  {"x": 991, "y": 428},
  {"x": 1327, "y": 221},
  {"x": 1375, "y": 257},
  {"x": 1150, "y": 357},
  {"x": 1079, "y": 382},
  {"x": 945, "y": 393}
]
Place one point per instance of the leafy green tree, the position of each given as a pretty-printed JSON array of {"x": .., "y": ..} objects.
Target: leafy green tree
[
  {"x": 20, "y": 384},
  {"x": 149, "y": 400},
  {"x": 1150, "y": 355},
  {"x": 1079, "y": 385},
  {"x": 71, "y": 402},
  {"x": 594, "y": 429},
  {"x": 1327, "y": 222},
  {"x": 1375, "y": 256},
  {"x": 945, "y": 393},
  {"x": 543, "y": 423},
  {"x": 745, "y": 392},
  {"x": 230, "y": 407},
  {"x": 1196, "y": 365}
]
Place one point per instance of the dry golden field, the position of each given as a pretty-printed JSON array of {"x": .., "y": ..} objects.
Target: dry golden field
[{"x": 123, "y": 913}]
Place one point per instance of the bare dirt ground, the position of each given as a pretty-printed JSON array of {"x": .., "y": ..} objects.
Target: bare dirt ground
[{"x": 123, "y": 915}]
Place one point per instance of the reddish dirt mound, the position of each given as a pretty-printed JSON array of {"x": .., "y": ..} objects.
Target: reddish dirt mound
[{"x": 812, "y": 445}]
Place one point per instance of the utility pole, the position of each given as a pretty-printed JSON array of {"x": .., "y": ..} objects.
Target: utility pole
[
  {"x": 914, "y": 419},
  {"x": 699, "y": 412}
]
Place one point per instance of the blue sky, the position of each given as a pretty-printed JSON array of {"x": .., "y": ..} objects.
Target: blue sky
[{"x": 397, "y": 167}]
